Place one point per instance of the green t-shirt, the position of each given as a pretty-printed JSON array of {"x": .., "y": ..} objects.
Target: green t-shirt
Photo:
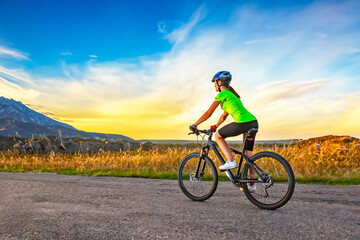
[{"x": 233, "y": 106}]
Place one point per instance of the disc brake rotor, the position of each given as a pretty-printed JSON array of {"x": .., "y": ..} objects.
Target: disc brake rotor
[{"x": 193, "y": 178}]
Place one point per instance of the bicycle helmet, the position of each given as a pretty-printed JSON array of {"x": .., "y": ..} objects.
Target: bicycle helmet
[{"x": 224, "y": 77}]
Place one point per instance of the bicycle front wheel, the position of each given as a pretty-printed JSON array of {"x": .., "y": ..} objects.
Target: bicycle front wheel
[
  {"x": 197, "y": 186},
  {"x": 278, "y": 182}
]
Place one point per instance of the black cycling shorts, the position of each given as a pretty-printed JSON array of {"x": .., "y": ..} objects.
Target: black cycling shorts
[{"x": 235, "y": 129}]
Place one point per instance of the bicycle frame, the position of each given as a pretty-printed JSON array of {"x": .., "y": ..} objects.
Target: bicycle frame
[{"x": 234, "y": 178}]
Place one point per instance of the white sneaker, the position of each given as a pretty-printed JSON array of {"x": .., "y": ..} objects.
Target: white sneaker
[
  {"x": 228, "y": 165},
  {"x": 251, "y": 188}
]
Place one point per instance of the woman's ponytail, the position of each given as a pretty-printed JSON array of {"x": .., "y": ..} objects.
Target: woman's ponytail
[{"x": 234, "y": 92}]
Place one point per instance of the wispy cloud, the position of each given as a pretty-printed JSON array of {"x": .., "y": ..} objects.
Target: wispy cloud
[
  {"x": 93, "y": 56},
  {"x": 179, "y": 35},
  {"x": 269, "y": 93},
  {"x": 321, "y": 35},
  {"x": 13, "y": 53},
  {"x": 16, "y": 75},
  {"x": 66, "y": 53},
  {"x": 264, "y": 40},
  {"x": 161, "y": 27},
  {"x": 12, "y": 90}
]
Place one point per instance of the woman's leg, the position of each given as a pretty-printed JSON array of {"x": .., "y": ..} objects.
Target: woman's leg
[
  {"x": 224, "y": 147},
  {"x": 251, "y": 170}
]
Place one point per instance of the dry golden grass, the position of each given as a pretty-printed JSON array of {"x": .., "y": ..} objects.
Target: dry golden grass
[{"x": 310, "y": 162}]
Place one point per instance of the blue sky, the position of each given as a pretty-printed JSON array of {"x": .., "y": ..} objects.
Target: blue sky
[
  {"x": 142, "y": 68},
  {"x": 73, "y": 30},
  {"x": 110, "y": 29}
]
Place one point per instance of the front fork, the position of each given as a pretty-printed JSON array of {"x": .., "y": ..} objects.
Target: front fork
[{"x": 204, "y": 152}]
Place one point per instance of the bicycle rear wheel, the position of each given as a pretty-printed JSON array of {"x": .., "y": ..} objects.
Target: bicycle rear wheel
[
  {"x": 201, "y": 187},
  {"x": 279, "y": 181}
]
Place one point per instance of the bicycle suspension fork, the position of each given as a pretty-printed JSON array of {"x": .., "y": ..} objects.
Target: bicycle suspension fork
[{"x": 204, "y": 152}]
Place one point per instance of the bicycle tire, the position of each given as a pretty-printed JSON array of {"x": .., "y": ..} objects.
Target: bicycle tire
[
  {"x": 186, "y": 183},
  {"x": 280, "y": 171}
]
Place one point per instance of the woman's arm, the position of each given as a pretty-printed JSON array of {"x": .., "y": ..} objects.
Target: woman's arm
[
  {"x": 222, "y": 119},
  {"x": 234, "y": 92},
  {"x": 208, "y": 113}
]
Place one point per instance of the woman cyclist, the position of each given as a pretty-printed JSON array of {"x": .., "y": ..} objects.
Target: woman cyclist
[{"x": 243, "y": 121}]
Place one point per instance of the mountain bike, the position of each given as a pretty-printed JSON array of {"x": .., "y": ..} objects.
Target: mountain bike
[{"x": 275, "y": 181}]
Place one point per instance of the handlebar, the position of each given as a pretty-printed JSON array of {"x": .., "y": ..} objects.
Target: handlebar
[{"x": 208, "y": 132}]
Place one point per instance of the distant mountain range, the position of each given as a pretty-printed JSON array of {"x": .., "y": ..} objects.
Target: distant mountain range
[
  {"x": 10, "y": 108},
  {"x": 18, "y": 120}
]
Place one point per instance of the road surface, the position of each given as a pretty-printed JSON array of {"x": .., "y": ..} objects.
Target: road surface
[{"x": 50, "y": 206}]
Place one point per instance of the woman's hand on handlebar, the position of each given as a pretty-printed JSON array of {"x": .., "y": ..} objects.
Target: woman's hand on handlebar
[
  {"x": 213, "y": 128},
  {"x": 196, "y": 131},
  {"x": 193, "y": 128}
]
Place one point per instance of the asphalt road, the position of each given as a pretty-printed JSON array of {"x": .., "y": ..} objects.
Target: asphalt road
[{"x": 49, "y": 206}]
